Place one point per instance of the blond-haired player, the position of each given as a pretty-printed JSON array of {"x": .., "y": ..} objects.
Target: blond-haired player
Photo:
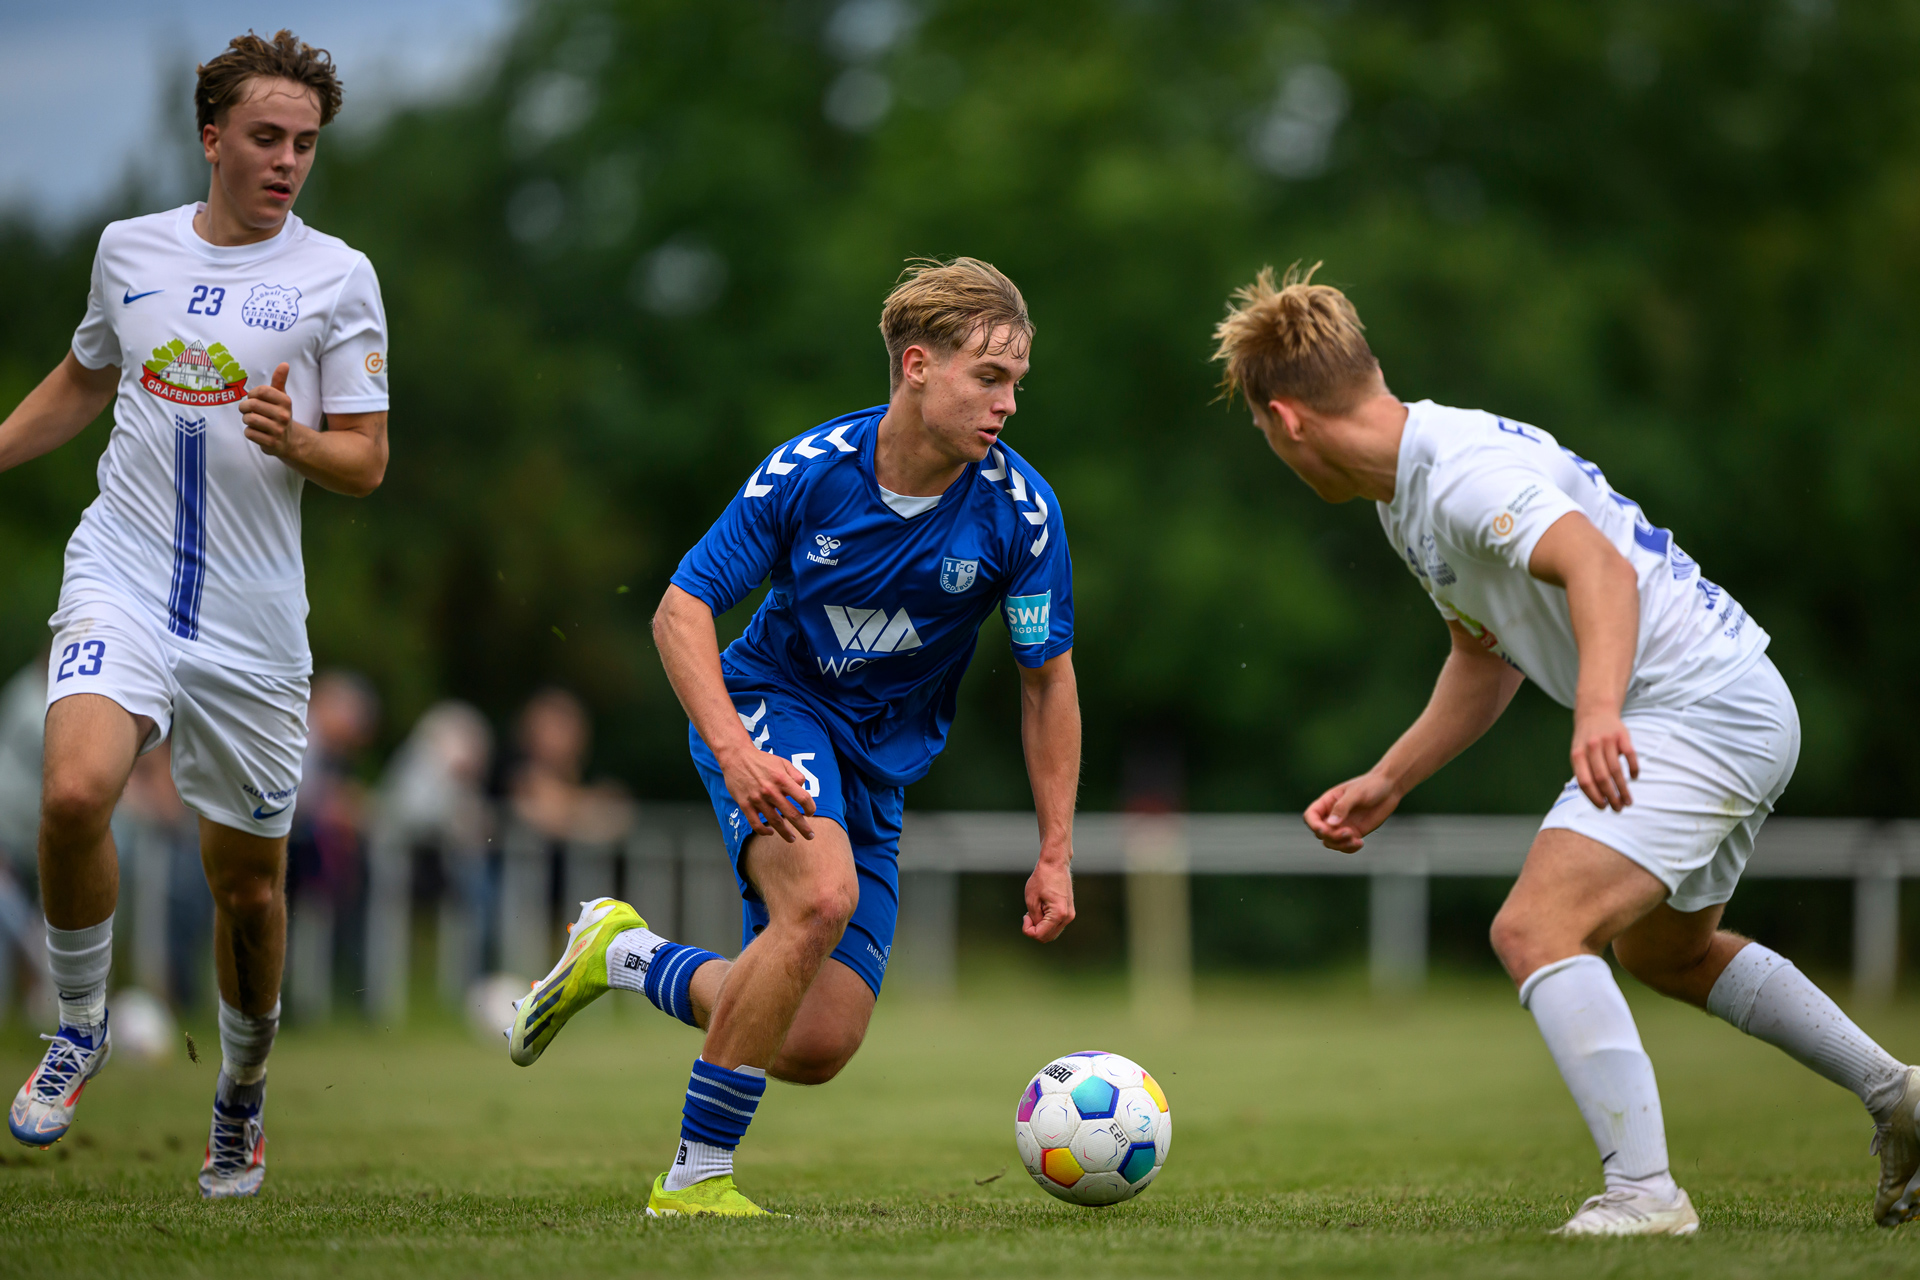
[
  {"x": 1684, "y": 734},
  {"x": 889, "y": 535},
  {"x": 245, "y": 354}
]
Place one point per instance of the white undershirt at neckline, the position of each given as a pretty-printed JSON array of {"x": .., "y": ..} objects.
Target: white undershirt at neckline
[{"x": 905, "y": 505}]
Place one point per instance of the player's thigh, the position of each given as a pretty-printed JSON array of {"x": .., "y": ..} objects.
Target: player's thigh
[
  {"x": 238, "y": 744},
  {"x": 109, "y": 699},
  {"x": 91, "y": 744},
  {"x": 247, "y": 872},
  {"x": 830, "y": 1026},
  {"x": 805, "y": 881},
  {"x": 1574, "y": 894}
]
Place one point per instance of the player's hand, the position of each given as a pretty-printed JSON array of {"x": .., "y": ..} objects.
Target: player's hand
[
  {"x": 1600, "y": 740},
  {"x": 267, "y": 413},
  {"x": 763, "y": 783},
  {"x": 1347, "y": 814},
  {"x": 1049, "y": 900}
]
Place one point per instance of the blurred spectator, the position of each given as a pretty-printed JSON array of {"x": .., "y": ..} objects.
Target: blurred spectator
[
  {"x": 434, "y": 794},
  {"x": 545, "y": 787},
  {"x": 164, "y": 897},
  {"x": 23, "y": 716},
  {"x": 326, "y": 850}
]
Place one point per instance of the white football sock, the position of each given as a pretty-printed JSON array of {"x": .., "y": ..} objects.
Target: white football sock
[
  {"x": 1763, "y": 994},
  {"x": 1589, "y": 1030},
  {"x": 697, "y": 1162},
  {"x": 628, "y": 957},
  {"x": 79, "y": 961},
  {"x": 245, "y": 1041}
]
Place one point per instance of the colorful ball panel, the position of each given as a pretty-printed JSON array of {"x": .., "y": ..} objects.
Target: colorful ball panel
[
  {"x": 1152, "y": 1086},
  {"x": 1140, "y": 1162},
  {"x": 1027, "y": 1099},
  {"x": 1093, "y": 1098},
  {"x": 1060, "y": 1167}
]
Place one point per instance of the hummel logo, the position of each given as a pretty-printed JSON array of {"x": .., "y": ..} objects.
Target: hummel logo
[
  {"x": 129, "y": 297},
  {"x": 827, "y": 547}
]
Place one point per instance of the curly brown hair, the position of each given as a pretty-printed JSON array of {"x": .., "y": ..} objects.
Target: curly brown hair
[
  {"x": 1295, "y": 339},
  {"x": 223, "y": 80}
]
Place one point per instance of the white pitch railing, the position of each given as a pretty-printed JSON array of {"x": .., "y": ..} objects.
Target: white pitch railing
[{"x": 672, "y": 864}]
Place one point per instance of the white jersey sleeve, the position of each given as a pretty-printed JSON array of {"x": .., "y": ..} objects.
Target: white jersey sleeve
[
  {"x": 353, "y": 355},
  {"x": 1500, "y": 509},
  {"x": 95, "y": 344}
]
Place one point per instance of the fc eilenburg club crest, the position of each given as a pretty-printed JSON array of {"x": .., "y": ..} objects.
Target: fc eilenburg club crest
[
  {"x": 957, "y": 575},
  {"x": 189, "y": 373},
  {"x": 272, "y": 306}
]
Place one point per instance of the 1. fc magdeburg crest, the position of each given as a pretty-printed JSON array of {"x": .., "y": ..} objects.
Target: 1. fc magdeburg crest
[{"x": 957, "y": 575}]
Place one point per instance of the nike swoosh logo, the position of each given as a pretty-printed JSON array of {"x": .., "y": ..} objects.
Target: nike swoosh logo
[
  {"x": 130, "y": 296},
  {"x": 260, "y": 815}
]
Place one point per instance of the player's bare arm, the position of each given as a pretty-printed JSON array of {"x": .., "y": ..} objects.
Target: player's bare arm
[
  {"x": 349, "y": 456},
  {"x": 1050, "y": 733},
  {"x": 759, "y": 782},
  {"x": 56, "y": 411},
  {"x": 1473, "y": 690},
  {"x": 1603, "y": 599}
]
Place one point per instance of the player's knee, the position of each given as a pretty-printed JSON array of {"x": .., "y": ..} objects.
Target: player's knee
[
  {"x": 816, "y": 1057},
  {"x": 247, "y": 897},
  {"x": 75, "y": 804},
  {"x": 826, "y": 909},
  {"x": 1520, "y": 943}
]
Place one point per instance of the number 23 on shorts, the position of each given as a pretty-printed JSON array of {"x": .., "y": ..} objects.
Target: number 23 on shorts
[{"x": 88, "y": 653}]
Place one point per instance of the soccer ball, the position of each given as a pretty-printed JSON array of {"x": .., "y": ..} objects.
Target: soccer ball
[{"x": 1093, "y": 1128}]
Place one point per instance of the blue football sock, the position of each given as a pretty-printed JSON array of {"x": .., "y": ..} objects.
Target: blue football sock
[
  {"x": 669, "y": 976},
  {"x": 721, "y": 1103}
]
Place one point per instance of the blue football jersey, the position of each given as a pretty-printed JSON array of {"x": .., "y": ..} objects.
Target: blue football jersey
[{"x": 872, "y": 616}]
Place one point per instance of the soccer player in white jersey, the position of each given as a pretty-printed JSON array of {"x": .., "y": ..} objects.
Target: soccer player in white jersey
[
  {"x": 245, "y": 354},
  {"x": 1684, "y": 734}
]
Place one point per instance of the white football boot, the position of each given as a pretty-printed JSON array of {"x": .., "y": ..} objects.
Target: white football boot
[
  {"x": 42, "y": 1111},
  {"x": 236, "y": 1161},
  {"x": 1632, "y": 1213},
  {"x": 1897, "y": 1143}
]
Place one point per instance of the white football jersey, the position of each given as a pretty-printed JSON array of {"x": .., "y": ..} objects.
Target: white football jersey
[
  {"x": 1471, "y": 499},
  {"x": 193, "y": 521}
]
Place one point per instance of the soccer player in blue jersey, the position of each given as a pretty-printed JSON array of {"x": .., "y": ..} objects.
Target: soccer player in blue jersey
[{"x": 890, "y": 535}]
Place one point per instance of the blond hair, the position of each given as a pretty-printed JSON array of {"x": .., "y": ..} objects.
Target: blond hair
[
  {"x": 1301, "y": 340},
  {"x": 943, "y": 305}
]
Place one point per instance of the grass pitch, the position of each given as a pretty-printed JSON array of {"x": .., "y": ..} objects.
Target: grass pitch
[{"x": 1316, "y": 1132}]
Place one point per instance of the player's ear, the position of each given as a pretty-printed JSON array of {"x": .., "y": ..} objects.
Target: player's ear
[
  {"x": 915, "y": 363},
  {"x": 1290, "y": 415},
  {"x": 210, "y": 141}
]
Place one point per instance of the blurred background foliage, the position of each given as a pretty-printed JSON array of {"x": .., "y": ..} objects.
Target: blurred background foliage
[{"x": 653, "y": 244}]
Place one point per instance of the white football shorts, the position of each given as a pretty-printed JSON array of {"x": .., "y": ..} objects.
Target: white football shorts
[
  {"x": 238, "y": 738},
  {"x": 1710, "y": 773}
]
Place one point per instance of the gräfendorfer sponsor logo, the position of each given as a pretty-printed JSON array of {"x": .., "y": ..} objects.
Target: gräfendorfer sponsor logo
[
  {"x": 191, "y": 373},
  {"x": 1030, "y": 617}
]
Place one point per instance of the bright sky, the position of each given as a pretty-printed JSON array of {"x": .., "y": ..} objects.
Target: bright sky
[{"x": 83, "y": 86}]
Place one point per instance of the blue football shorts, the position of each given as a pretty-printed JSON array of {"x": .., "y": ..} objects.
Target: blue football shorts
[{"x": 870, "y": 814}]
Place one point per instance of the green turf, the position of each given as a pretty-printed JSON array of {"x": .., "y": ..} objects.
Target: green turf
[{"x": 1317, "y": 1133}]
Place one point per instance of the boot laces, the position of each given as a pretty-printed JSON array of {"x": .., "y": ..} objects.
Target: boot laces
[
  {"x": 231, "y": 1144},
  {"x": 63, "y": 1062}
]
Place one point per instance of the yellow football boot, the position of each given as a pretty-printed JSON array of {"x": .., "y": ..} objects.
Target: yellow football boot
[
  {"x": 711, "y": 1195},
  {"x": 576, "y": 982}
]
